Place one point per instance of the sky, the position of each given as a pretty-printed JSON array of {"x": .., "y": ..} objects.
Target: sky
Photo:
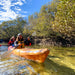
[{"x": 10, "y": 9}]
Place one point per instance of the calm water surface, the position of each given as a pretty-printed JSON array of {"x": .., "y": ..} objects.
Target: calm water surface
[{"x": 14, "y": 65}]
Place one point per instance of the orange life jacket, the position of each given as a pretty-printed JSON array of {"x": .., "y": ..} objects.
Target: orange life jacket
[{"x": 22, "y": 44}]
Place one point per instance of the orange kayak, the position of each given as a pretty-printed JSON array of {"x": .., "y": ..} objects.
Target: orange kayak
[{"x": 38, "y": 55}]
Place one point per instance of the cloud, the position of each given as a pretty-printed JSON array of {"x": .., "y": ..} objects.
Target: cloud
[
  {"x": 6, "y": 13},
  {"x": 24, "y": 12},
  {"x": 17, "y": 8}
]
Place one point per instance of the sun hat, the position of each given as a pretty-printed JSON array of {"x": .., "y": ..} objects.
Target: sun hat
[{"x": 19, "y": 34}]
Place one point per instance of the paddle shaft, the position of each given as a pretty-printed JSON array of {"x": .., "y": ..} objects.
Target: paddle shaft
[
  {"x": 7, "y": 53},
  {"x": 4, "y": 55}
]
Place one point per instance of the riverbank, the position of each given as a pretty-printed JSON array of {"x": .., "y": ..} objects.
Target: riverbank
[{"x": 4, "y": 44}]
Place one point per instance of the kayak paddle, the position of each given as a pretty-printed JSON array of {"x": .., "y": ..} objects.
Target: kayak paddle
[{"x": 7, "y": 53}]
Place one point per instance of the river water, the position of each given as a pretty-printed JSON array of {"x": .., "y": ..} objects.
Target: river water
[{"x": 14, "y": 65}]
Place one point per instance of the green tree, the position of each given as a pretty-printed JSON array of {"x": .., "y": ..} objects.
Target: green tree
[
  {"x": 12, "y": 27},
  {"x": 65, "y": 18},
  {"x": 42, "y": 23}
]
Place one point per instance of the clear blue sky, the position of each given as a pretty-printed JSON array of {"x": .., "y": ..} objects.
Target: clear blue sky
[
  {"x": 10, "y": 9},
  {"x": 34, "y": 6}
]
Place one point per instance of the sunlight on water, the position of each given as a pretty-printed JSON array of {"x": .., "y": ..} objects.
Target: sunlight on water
[
  {"x": 57, "y": 64},
  {"x": 15, "y": 66}
]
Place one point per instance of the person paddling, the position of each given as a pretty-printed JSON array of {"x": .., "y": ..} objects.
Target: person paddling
[
  {"x": 11, "y": 41},
  {"x": 19, "y": 41},
  {"x": 28, "y": 42}
]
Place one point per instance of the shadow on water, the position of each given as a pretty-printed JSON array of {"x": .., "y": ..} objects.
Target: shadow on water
[
  {"x": 71, "y": 55},
  {"x": 55, "y": 69},
  {"x": 49, "y": 67},
  {"x": 26, "y": 67}
]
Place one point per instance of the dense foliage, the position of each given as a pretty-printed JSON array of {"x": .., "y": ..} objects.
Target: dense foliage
[
  {"x": 55, "y": 19},
  {"x": 41, "y": 22},
  {"x": 10, "y": 28},
  {"x": 65, "y": 18}
]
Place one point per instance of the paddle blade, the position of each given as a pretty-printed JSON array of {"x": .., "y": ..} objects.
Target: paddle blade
[{"x": 7, "y": 53}]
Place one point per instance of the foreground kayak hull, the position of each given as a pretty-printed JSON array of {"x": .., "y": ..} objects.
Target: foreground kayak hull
[{"x": 38, "y": 55}]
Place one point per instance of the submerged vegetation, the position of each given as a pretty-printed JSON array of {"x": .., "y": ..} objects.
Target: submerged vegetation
[{"x": 60, "y": 60}]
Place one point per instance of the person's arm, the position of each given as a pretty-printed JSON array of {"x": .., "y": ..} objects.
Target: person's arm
[
  {"x": 9, "y": 43},
  {"x": 16, "y": 43}
]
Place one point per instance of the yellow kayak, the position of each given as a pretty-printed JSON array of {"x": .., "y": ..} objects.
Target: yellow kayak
[{"x": 38, "y": 55}]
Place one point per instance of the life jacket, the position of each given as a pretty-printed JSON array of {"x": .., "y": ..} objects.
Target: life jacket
[
  {"x": 11, "y": 42},
  {"x": 27, "y": 43},
  {"x": 22, "y": 44}
]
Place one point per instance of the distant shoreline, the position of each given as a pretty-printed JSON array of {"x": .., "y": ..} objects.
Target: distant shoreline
[{"x": 4, "y": 44}]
